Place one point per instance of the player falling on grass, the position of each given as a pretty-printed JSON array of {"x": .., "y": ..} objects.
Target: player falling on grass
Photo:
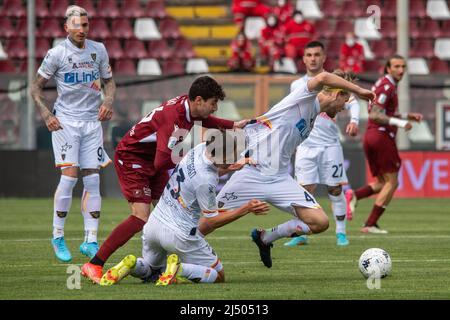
[
  {"x": 320, "y": 158},
  {"x": 172, "y": 227},
  {"x": 78, "y": 66},
  {"x": 379, "y": 144},
  {"x": 273, "y": 139},
  {"x": 143, "y": 157}
]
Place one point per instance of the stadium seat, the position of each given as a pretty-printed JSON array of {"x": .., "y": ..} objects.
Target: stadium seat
[
  {"x": 334, "y": 48},
  {"x": 342, "y": 27},
  {"x": 169, "y": 28},
  {"x": 389, "y": 28},
  {"x": 21, "y": 28},
  {"x": 148, "y": 67},
  {"x": 173, "y": 67},
  {"x": 149, "y": 105},
  {"x": 442, "y": 48},
  {"x": 288, "y": 66},
  {"x": 365, "y": 28},
  {"x": 423, "y": 48},
  {"x": 114, "y": 49},
  {"x": 368, "y": 54},
  {"x": 418, "y": 66},
  {"x": 228, "y": 110},
  {"x": 352, "y": 8},
  {"x": 58, "y": 8},
  {"x": 197, "y": 65},
  {"x": 41, "y": 9},
  {"x": 183, "y": 49},
  {"x": 331, "y": 9},
  {"x": 159, "y": 49},
  {"x": 372, "y": 66},
  {"x": 132, "y": 9},
  {"x": 146, "y": 29},
  {"x": 135, "y": 49},
  {"x": 445, "y": 30},
  {"x": 421, "y": 133},
  {"x": 382, "y": 48},
  {"x": 42, "y": 47},
  {"x": 438, "y": 9},
  {"x": 51, "y": 28},
  {"x": 414, "y": 30},
  {"x": 124, "y": 67},
  {"x": 389, "y": 9},
  {"x": 108, "y": 9},
  {"x": 7, "y": 30},
  {"x": 57, "y": 41},
  {"x": 324, "y": 28},
  {"x": 3, "y": 54},
  {"x": 439, "y": 66},
  {"x": 13, "y": 8},
  {"x": 88, "y": 5},
  {"x": 98, "y": 29},
  {"x": 156, "y": 9},
  {"x": 430, "y": 29},
  {"x": 310, "y": 9},
  {"x": 7, "y": 66},
  {"x": 417, "y": 9},
  {"x": 23, "y": 65},
  {"x": 17, "y": 48},
  {"x": 330, "y": 64},
  {"x": 253, "y": 27},
  {"x": 368, "y": 3},
  {"x": 121, "y": 28}
]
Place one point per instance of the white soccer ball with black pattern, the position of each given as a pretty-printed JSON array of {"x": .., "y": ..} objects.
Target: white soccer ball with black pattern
[{"x": 375, "y": 263}]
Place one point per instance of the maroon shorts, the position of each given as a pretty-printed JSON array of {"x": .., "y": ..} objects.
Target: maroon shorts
[
  {"x": 138, "y": 180},
  {"x": 381, "y": 152}
]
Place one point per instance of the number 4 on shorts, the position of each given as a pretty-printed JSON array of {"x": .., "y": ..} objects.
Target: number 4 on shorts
[{"x": 308, "y": 197}]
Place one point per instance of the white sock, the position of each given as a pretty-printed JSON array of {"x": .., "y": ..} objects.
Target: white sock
[
  {"x": 197, "y": 273},
  {"x": 141, "y": 269},
  {"x": 339, "y": 207},
  {"x": 61, "y": 204},
  {"x": 294, "y": 227},
  {"x": 91, "y": 204}
]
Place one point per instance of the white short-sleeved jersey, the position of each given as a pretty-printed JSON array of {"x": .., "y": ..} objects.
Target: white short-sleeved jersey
[
  {"x": 326, "y": 131},
  {"x": 77, "y": 74},
  {"x": 275, "y": 135},
  {"x": 190, "y": 192}
]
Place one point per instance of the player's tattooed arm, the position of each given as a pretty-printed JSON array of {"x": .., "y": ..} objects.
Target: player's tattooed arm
[
  {"x": 37, "y": 94},
  {"x": 377, "y": 114},
  {"x": 106, "y": 109}
]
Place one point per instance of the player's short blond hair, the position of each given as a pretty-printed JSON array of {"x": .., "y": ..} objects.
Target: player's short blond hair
[
  {"x": 75, "y": 11},
  {"x": 349, "y": 76}
]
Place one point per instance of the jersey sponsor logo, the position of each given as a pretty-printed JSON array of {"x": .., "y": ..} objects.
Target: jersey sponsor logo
[
  {"x": 302, "y": 128},
  {"x": 382, "y": 98},
  {"x": 77, "y": 77},
  {"x": 83, "y": 65}
]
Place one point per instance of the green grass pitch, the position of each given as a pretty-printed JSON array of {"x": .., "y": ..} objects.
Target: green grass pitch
[{"x": 418, "y": 242}]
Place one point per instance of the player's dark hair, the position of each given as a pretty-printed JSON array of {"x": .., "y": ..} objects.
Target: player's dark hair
[
  {"x": 315, "y": 44},
  {"x": 206, "y": 87},
  {"x": 388, "y": 61},
  {"x": 225, "y": 145}
]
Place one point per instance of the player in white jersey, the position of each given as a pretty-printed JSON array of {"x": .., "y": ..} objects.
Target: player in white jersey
[
  {"x": 78, "y": 66},
  {"x": 172, "y": 226},
  {"x": 320, "y": 159},
  {"x": 273, "y": 139}
]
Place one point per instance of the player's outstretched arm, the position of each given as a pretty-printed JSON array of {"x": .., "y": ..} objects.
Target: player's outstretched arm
[
  {"x": 37, "y": 94},
  {"x": 377, "y": 114},
  {"x": 106, "y": 109},
  {"x": 208, "y": 225}
]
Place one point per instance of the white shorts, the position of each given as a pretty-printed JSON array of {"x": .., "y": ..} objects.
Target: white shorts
[
  {"x": 79, "y": 144},
  {"x": 320, "y": 165},
  {"x": 158, "y": 241},
  {"x": 281, "y": 191}
]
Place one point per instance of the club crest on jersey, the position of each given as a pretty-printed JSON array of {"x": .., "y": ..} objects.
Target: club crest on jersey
[
  {"x": 230, "y": 196},
  {"x": 66, "y": 147},
  {"x": 302, "y": 128},
  {"x": 94, "y": 56},
  {"x": 70, "y": 60}
]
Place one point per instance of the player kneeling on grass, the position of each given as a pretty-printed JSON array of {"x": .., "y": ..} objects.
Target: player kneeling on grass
[{"x": 172, "y": 228}]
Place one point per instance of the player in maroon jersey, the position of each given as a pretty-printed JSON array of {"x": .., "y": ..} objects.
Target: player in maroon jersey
[
  {"x": 379, "y": 144},
  {"x": 143, "y": 157}
]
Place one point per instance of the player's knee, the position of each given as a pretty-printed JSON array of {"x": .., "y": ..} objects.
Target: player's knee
[
  {"x": 310, "y": 188},
  {"x": 88, "y": 172},
  {"x": 334, "y": 190},
  {"x": 320, "y": 224},
  {"x": 220, "y": 277},
  {"x": 70, "y": 172}
]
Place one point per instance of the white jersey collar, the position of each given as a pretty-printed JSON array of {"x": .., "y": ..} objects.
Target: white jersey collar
[{"x": 74, "y": 47}]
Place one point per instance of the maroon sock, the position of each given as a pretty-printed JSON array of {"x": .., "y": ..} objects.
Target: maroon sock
[
  {"x": 364, "y": 192},
  {"x": 118, "y": 237},
  {"x": 374, "y": 215}
]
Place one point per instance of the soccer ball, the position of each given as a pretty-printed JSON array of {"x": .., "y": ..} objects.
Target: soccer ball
[{"x": 375, "y": 263}]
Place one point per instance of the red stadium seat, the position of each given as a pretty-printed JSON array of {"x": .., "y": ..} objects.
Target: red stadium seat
[
  {"x": 121, "y": 28},
  {"x": 183, "y": 49},
  {"x": 42, "y": 47},
  {"x": 334, "y": 48},
  {"x": 372, "y": 66},
  {"x": 132, "y": 9},
  {"x": 114, "y": 49},
  {"x": 423, "y": 48},
  {"x": 156, "y": 9},
  {"x": 88, "y": 5},
  {"x": 51, "y": 28},
  {"x": 344, "y": 26},
  {"x": 173, "y": 67},
  {"x": 169, "y": 29},
  {"x": 414, "y": 30},
  {"x": 58, "y": 8},
  {"x": 430, "y": 29},
  {"x": 445, "y": 30},
  {"x": 368, "y": 3},
  {"x": 98, "y": 29},
  {"x": 330, "y": 64},
  {"x": 125, "y": 67},
  {"x": 417, "y": 9},
  {"x": 323, "y": 28},
  {"x": 13, "y": 8},
  {"x": 6, "y": 28},
  {"x": 389, "y": 28},
  {"x": 331, "y": 8},
  {"x": 23, "y": 65},
  {"x": 22, "y": 28},
  {"x": 389, "y": 9},
  {"x": 351, "y": 8},
  {"x": 382, "y": 48},
  {"x": 159, "y": 49},
  {"x": 135, "y": 49},
  {"x": 42, "y": 9},
  {"x": 7, "y": 66},
  {"x": 439, "y": 66},
  {"x": 107, "y": 9},
  {"x": 17, "y": 48}
]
